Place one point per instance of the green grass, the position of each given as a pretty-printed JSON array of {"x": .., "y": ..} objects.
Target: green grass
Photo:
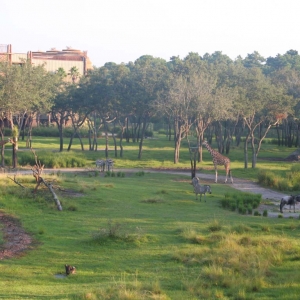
[
  {"x": 157, "y": 153},
  {"x": 145, "y": 237},
  {"x": 141, "y": 235}
]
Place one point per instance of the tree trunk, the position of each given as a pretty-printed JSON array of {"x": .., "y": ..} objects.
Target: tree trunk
[
  {"x": 14, "y": 153},
  {"x": 142, "y": 138},
  {"x": 246, "y": 152},
  {"x": 61, "y": 138},
  {"x": 114, "y": 139}
]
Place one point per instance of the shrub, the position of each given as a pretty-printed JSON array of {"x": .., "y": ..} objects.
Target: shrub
[
  {"x": 225, "y": 203},
  {"x": 265, "y": 213},
  {"x": 233, "y": 206},
  {"x": 108, "y": 174},
  {"x": 215, "y": 226},
  {"x": 72, "y": 208},
  {"x": 53, "y": 160},
  {"x": 283, "y": 185},
  {"x": 245, "y": 203},
  {"x": 140, "y": 173},
  {"x": 250, "y": 209},
  {"x": 295, "y": 168}
]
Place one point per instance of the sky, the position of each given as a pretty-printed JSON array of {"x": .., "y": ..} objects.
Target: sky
[{"x": 121, "y": 31}]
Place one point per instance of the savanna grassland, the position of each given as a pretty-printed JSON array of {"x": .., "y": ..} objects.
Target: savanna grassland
[{"x": 141, "y": 235}]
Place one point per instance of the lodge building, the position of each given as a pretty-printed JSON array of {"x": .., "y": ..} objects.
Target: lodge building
[{"x": 52, "y": 59}]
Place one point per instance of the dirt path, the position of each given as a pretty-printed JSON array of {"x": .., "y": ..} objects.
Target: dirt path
[{"x": 16, "y": 239}]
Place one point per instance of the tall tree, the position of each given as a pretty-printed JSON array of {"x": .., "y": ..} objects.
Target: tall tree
[
  {"x": 147, "y": 79},
  {"x": 261, "y": 105}
]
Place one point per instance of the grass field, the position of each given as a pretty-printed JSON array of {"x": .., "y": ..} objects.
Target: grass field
[{"x": 144, "y": 236}]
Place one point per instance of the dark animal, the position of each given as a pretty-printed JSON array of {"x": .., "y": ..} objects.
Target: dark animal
[
  {"x": 290, "y": 200},
  {"x": 200, "y": 189},
  {"x": 70, "y": 269}
]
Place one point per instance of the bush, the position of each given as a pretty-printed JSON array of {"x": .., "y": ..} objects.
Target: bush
[
  {"x": 53, "y": 160},
  {"x": 245, "y": 203},
  {"x": 215, "y": 226},
  {"x": 52, "y": 131},
  {"x": 140, "y": 173},
  {"x": 265, "y": 213},
  {"x": 250, "y": 209},
  {"x": 283, "y": 185},
  {"x": 295, "y": 168}
]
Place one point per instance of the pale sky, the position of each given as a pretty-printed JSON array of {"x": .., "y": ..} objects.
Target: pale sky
[{"x": 123, "y": 30}]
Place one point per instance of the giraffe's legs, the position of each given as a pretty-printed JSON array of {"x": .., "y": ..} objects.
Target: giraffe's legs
[
  {"x": 228, "y": 172},
  {"x": 230, "y": 176},
  {"x": 216, "y": 170}
]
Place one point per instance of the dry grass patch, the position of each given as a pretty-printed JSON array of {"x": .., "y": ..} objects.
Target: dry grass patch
[{"x": 231, "y": 260}]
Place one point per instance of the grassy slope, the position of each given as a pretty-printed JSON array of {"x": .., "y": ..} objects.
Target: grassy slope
[{"x": 157, "y": 214}]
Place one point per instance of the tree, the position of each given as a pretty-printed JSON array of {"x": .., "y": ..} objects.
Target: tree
[
  {"x": 25, "y": 90},
  {"x": 261, "y": 105},
  {"x": 74, "y": 74},
  {"x": 147, "y": 79}
]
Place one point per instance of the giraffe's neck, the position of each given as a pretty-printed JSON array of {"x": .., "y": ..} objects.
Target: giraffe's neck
[
  {"x": 210, "y": 149},
  {"x": 4, "y": 142}
]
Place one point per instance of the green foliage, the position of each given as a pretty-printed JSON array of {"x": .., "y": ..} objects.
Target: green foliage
[
  {"x": 53, "y": 160},
  {"x": 140, "y": 173},
  {"x": 120, "y": 174},
  {"x": 289, "y": 181},
  {"x": 111, "y": 174},
  {"x": 243, "y": 202},
  {"x": 15, "y": 131},
  {"x": 52, "y": 131},
  {"x": 215, "y": 226}
]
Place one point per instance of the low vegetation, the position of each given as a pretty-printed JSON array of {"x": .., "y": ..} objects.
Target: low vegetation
[
  {"x": 243, "y": 203},
  {"x": 288, "y": 181},
  {"x": 142, "y": 235}
]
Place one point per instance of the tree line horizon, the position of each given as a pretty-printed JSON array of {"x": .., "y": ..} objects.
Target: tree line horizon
[{"x": 209, "y": 96}]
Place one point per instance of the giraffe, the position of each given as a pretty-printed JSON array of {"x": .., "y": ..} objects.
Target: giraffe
[
  {"x": 9, "y": 140},
  {"x": 219, "y": 159}
]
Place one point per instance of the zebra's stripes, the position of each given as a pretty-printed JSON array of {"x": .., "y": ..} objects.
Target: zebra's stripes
[
  {"x": 105, "y": 164},
  {"x": 109, "y": 164},
  {"x": 100, "y": 163},
  {"x": 200, "y": 189}
]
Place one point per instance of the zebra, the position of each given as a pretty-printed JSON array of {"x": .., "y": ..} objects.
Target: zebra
[
  {"x": 100, "y": 163},
  {"x": 200, "y": 189},
  {"x": 290, "y": 200},
  {"x": 109, "y": 164}
]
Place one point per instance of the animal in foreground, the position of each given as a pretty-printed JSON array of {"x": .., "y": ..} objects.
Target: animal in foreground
[
  {"x": 70, "y": 269},
  {"x": 219, "y": 159},
  {"x": 200, "y": 189},
  {"x": 290, "y": 200}
]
